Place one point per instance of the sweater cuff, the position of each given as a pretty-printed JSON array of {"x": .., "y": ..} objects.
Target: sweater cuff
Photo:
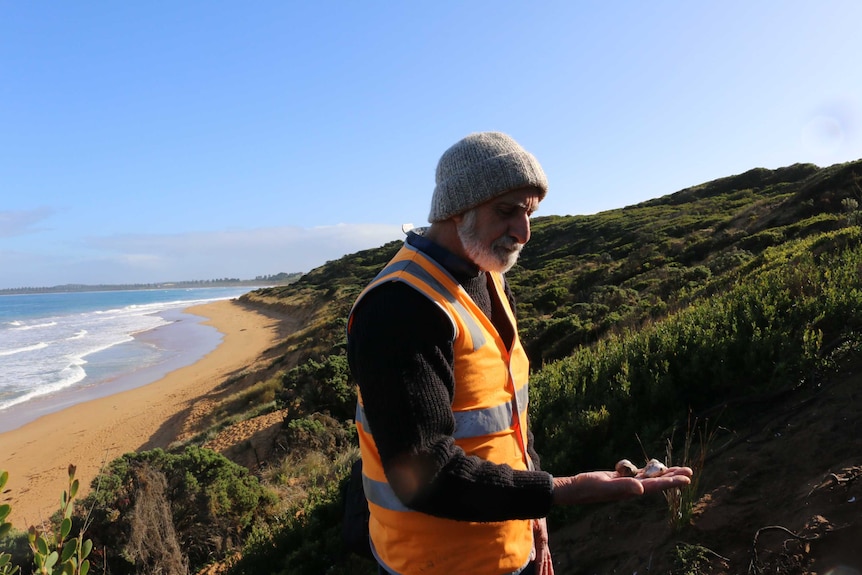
[{"x": 538, "y": 493}]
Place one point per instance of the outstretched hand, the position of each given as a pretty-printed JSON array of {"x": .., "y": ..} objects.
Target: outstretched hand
[{"x": 597, "y": 486}]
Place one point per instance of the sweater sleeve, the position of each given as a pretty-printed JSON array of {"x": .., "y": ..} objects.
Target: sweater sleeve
[{"x": 400, "y": 352}]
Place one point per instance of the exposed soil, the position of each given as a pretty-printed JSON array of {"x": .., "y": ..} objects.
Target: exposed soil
[
  {"x": 249, "y": 442},
  {"x": 780, "y": 494}
]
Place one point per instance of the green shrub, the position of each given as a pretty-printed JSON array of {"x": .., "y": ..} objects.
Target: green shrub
[
  {"x": 320, "y": 386},
  {"x": 306, "y": 541},
  {"x": 763, "y": 335},
  {"x": 318, "y": 432},
  {"x": 212, "y": 504}
]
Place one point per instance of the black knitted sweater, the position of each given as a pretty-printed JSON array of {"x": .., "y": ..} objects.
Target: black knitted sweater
[{"x": 400, "y": 353}]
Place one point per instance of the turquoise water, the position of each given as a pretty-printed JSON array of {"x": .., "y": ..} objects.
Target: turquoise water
[{"x": 60, "y": 348}]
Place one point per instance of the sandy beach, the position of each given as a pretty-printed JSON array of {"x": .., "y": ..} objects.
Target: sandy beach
[{"x": 88, "y": 434}]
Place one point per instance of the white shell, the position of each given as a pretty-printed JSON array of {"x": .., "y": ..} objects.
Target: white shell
[
  {"x": 654, "y": 468},
  {"x": 626, "y": 468}
]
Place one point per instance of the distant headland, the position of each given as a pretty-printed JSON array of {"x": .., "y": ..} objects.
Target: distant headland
[{"x": 259, "y": 281}]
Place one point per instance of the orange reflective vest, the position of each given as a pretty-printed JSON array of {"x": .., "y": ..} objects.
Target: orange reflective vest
[{"x": 490, "y": 411}]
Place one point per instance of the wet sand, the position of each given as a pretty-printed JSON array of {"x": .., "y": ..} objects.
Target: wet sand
[{"x": 88, "y": 434}]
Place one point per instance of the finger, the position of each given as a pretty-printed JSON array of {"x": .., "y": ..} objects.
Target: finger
[
  {"x": 664, "y": 483},
  {"x": 669, "y": 472},
  {"x": 544, "y": 565},
  {"x": 687, "y": 471},
  {"x": 615, "y": 489},
  {"x": 540, "y": 537},
  {"x": 629, "y": 486},
  {"x": 549, "y": 566}
]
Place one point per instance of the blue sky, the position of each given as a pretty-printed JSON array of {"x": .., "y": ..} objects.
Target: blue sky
[{"x": 175, "y": 140}]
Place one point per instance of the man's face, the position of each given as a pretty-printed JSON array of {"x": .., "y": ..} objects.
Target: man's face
[{"x": 494, "y": 232}]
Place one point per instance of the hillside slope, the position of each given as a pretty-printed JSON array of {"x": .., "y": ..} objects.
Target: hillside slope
[
  {"x": 723, "y": 294},
  {"x": 779, "y": 494},
  {"x": 735, "y": 304},
  {"x": 718, "y": 327}
]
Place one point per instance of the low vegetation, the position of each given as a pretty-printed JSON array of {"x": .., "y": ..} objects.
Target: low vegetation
[
  {"x": 63, "y": 550},
  {"x": 644, "y": 326}
]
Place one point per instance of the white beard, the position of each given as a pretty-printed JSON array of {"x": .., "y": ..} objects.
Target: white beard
[{"x": 500, "y": 256}]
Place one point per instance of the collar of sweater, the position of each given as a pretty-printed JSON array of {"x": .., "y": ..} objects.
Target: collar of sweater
[{"x": 461, "y": 269}]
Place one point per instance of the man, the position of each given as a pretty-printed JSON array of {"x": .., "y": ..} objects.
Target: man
[{"x": 449, "y": 470}]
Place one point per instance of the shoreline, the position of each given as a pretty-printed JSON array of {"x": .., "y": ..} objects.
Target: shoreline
[
  {"x": 186, "y": 335},
  {"x": 100, "y": 429}
]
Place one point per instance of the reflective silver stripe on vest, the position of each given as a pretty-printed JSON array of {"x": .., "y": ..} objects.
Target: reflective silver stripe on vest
[
  {"x": 479, "y": 422},
  {"x": 381, "y": 494},
  {"x": 360, "y": 418},
  {"x": 421, "y": 273},
  {"x": 475, "y": 422}
]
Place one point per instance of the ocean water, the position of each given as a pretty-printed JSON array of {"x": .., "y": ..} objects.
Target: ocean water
[{"x": 60, "y": 348}]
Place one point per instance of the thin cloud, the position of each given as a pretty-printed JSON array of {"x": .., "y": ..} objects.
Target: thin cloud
[
  {"x": 243, "y": 254},
  {"x": 19, "y": 223}
]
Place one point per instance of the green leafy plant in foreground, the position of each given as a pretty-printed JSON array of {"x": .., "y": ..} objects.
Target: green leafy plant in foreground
[
  {"x": 6, "y": 567},
  {"x": 57, "y": 552}
]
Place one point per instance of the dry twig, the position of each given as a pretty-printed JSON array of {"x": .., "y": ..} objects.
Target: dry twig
[{"x": 754, "y": 566}]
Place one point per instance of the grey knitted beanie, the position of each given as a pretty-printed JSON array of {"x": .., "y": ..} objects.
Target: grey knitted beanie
[{"x": 480, "y": 167}]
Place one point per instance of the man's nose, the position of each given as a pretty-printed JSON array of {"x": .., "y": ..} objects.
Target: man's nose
[{"x": 520, "y": 228}]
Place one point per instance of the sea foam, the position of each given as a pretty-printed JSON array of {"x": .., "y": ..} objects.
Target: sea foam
[{"x": 47, "y": 341}]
